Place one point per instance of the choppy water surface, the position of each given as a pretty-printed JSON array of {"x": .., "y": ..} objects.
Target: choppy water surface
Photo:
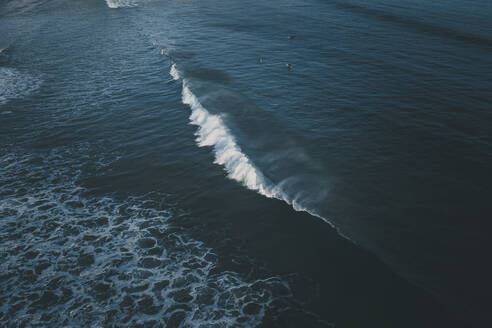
[{"x": 245, "y": 164}]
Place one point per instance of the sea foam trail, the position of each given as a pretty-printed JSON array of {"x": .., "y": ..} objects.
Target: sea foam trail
[
  {"x": 112, "y": 262},
  {"x": 212, "y": 131}
]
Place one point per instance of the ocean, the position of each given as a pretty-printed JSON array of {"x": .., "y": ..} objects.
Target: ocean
[{"x": 185, "y": 163}]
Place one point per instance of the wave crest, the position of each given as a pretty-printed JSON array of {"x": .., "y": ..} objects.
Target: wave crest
[{"x": 214, "y": 133}]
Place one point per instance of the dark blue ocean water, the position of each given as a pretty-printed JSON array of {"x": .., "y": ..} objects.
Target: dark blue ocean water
[{"x": 161, "y": 166}]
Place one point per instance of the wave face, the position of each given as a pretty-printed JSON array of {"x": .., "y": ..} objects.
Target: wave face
[
  {"x": 76, "y": 260},
  {"x": 14, "y": 84}
]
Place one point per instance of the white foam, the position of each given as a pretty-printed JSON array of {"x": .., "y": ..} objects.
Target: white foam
[
  {"x": 174, "y": 73},
  {"x": 121, "y": 3},
  {"x": 14, "y": 84},
  {"x": 53, "y": 222}
]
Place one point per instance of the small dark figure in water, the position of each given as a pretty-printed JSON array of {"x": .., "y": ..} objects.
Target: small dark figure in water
[
  {"x": 292, "y": 37},
  {"x": 289, "y": 66},
  {"x": 260, "y": 60}
]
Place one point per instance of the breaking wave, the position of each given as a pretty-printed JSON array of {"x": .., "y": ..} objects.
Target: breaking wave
[{"x": 213, "y": 132}]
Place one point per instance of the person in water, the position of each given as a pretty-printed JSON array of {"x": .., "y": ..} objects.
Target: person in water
[
  {"x": 289, "y": 66},
  {"x": 260, "y": 60}
]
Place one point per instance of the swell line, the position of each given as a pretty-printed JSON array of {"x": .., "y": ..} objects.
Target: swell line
[{"x": 417, "y": 25}]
